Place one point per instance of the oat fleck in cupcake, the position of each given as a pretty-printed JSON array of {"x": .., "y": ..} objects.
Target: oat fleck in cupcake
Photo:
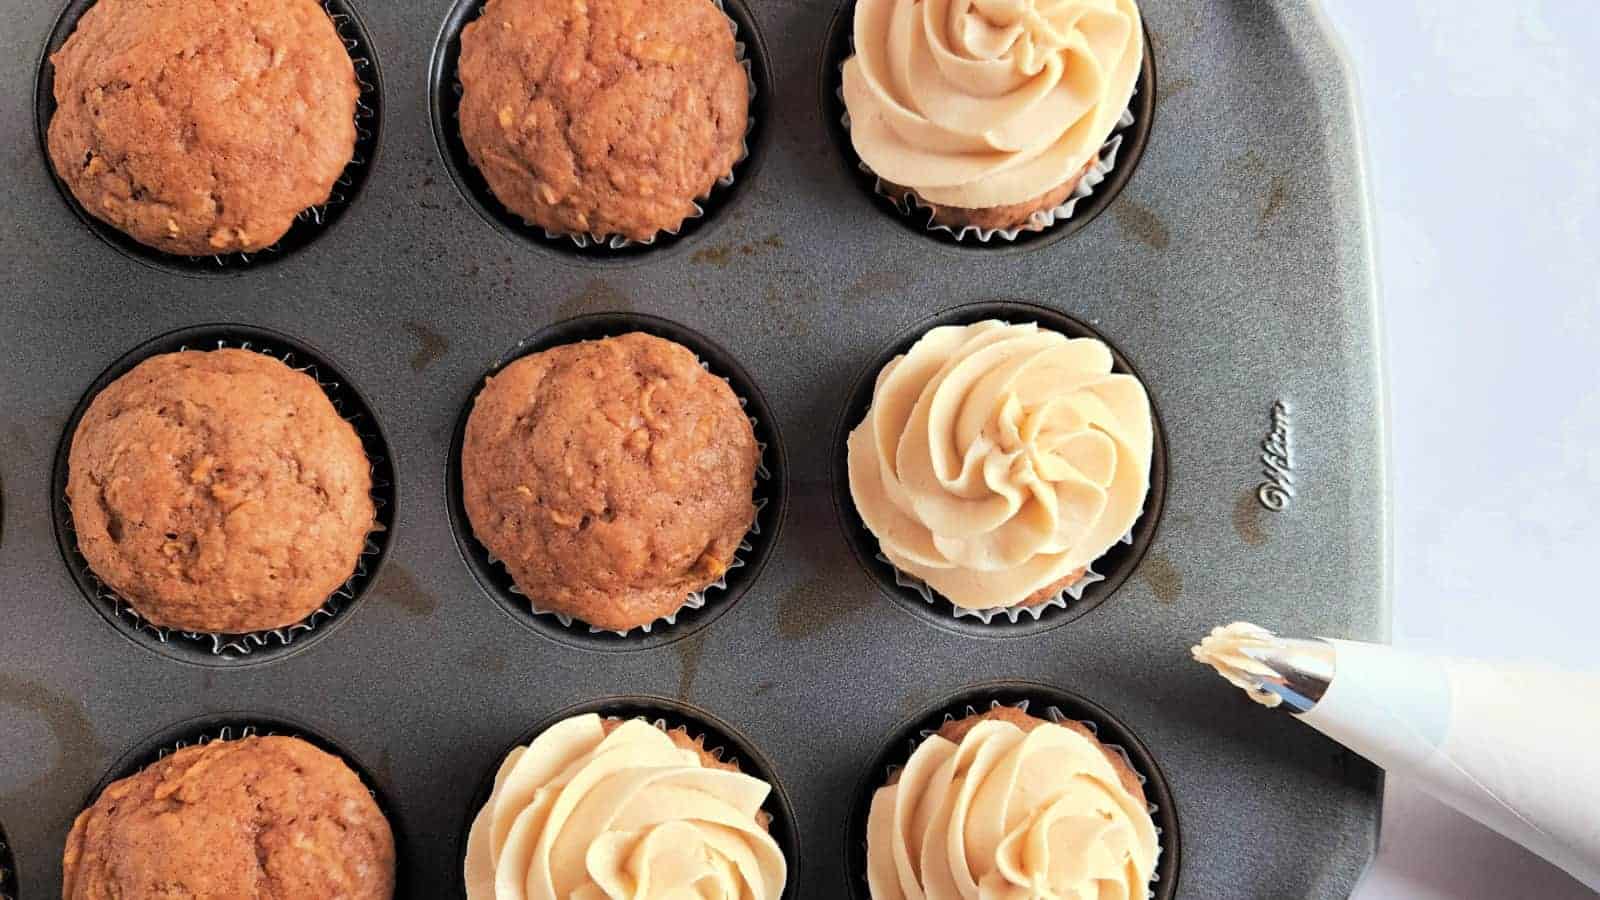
[
  {"x": 1004, "y": 804},
  {"x": 219, "y": 492},
  {"x": 255, "y": 817},
  {"x": 202, "y": 126},
  {"x": 602, "y": 117},
  {"x": 612, "y": 478},
  {"x": 998, "y": 461},
  {"x": 609, "y": 808},
  {"x": 989, "y": 111}
]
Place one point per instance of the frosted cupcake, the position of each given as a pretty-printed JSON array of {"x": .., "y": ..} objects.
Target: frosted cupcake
[
  {"x": 989, "y": 112},
  {"x": 1004, "y": 804},
  {"x": 997, "y": 462},
  {"x": 600, "y": 807}
]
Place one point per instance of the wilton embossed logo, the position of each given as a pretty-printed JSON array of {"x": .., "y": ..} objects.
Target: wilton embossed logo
[{"x": 1277, "y": 459}]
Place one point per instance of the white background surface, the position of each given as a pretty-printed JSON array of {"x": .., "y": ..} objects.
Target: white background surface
[{"x": 1483, "y": 145}]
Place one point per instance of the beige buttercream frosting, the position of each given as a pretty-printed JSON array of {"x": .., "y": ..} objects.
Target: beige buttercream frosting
[
  {"x": 983, "y": 103},
  {"x": 1009, "y": 815},
  {"x": 581, "y": 814},
  {"x": 1224, "y": 649},
  {"x": 996, "y": 459}
]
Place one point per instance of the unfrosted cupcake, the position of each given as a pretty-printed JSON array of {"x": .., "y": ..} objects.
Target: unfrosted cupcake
[
  {"x": 998, "y": 461},
  {"x": 601, "y": 119},
  {"x": 1004, "y": 804},
  {"x": 219, "y": 492},
  {"x": 254, "y": 817},
  {"x": 989, "y": 113},
  {"x": 202, "y": 127},
  {"x": 612, "y": 478},
  {"x": 607, "y": 808}
]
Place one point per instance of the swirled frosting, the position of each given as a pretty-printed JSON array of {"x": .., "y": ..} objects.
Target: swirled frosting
[
  {"x": 983, "y": 103},
  {"x": 1009, "y": 815},
  {"x": 996, "y": 460},
  {"x": 588, "y": 812},
  {"x": 1226, "y": 648}
]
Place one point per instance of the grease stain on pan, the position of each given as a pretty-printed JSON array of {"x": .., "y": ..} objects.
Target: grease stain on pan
[
  {"x": 431, "y": 346},
  {"x": 784, "y": 306},
  {"x": 399, "y": 588},
  {"x": 1172, "y": 87},
  {"x": 723, "y": 254},
  {"x": 872, "y": 285},
  {"x": 1164, "y": 579},
  {"x": 1141, "y": 223},
  {"x": 597, "y": 296},
  {"x": 1278, "y": 196},
  {"x": 490, "y": 658},
  {"x": 1247, "y": 519},
  {"x": 690, "y": 651},
  {"x": 818, "y": 604},
  {"x": 78, "y": 752}
]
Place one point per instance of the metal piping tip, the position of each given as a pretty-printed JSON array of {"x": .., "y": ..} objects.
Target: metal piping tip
[
  {"x": 1274, "y": 671},
  {"x": 1297, "y": 671}
]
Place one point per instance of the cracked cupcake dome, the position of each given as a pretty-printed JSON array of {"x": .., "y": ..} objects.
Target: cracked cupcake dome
[
  {"x": 602, "y": 118},
  {"x": 612, "y": 478},
  {"x": 254, "y": 817},
  {"x": 219, "y": 491},
  {"x": 202, "y": 127}
]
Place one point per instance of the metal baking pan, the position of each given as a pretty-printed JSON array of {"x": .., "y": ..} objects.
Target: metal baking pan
[{"x": 1232, "y": 271}]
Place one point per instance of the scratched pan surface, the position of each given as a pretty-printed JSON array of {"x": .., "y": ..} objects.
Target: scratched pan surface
[{"x": 1232, "y": 272}]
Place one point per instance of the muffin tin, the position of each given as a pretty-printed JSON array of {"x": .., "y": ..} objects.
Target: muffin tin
[{"x": 1233, "y": 272}]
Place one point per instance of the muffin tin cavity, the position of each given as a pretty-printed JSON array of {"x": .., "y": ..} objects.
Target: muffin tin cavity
[
  {"x": 838, "y": 47},
  {"x": 444, "y": 92},
  {"x": 1041, "y": 701},
  {"x": 771, "y": 493},
  {"x": 8, "y": 870},
  {"x": 235, "y": 650},
  {"x": 720, "y": 738},
  {"x": 233, "y": 726},
  {"x": 310, "y": 224},
  {"x": 1114, "y": 567}
]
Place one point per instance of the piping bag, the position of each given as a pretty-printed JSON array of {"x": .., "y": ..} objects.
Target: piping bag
[{"x": 1514, "y": 747}]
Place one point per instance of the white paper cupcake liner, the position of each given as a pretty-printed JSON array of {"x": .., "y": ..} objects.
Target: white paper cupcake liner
[
  {"x": 909, "y": 204},
  {"x": 243, "y": 644},
  {"x": 619, "y": 242},
  {"x": 695, "y": 599},
  {"x": 1054, "y": 714},
  {"x": 1015, "y": 613}
]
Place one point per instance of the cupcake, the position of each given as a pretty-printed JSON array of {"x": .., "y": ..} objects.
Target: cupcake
[
  {"x": 219, "y": 492},
  {"x": 202, "y": 127},
  {"x": 255, "y": 817},
  {"x": 997, "y": 461},
  {"x": 608, "y": 808},
  {"x": 603, "y": 119},
  {"x": 989, "y": 114},
  {"x": 612, "y": 478},
  {"x": 1004, "y": 804}
]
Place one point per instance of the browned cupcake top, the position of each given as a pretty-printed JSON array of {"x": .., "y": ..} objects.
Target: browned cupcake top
[
  {"x": 202, "y": 126},
  {"x": 272, "y": 818},
  {"x": 612, "y": 477},
  {"x": 219, "y": 491},
  {"x": 602, "y": 118}
]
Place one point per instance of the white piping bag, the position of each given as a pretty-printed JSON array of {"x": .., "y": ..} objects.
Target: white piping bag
[{"x": 1514, "y": 747}]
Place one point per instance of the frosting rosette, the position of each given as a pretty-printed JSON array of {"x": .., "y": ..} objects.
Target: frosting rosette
[
  {"x": 985, "y": 103},
  {"x": 997, "y": 461},
  {"x": 1008, "y": 813},
  {"x": 605, "y": 810}
]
